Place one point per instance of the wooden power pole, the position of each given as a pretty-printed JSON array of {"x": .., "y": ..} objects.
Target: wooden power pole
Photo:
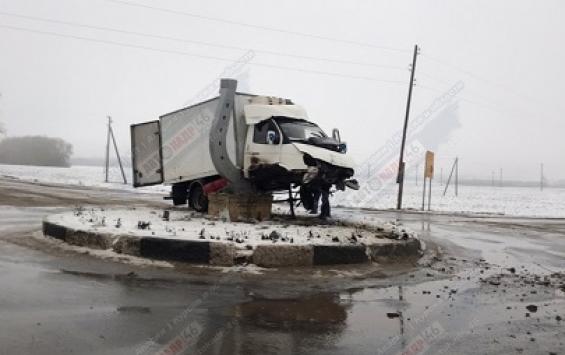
[
  {"x": 454, "y": 168},
  {"x": 401, "y": 164},
  {"x": 541, "y": 177},
  {"x": 109, "y": 136},
  {"x": 107, "y": 160}
]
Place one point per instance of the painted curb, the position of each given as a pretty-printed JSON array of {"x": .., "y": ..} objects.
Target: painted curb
[
  {"x": 277, "y": 255},
  {"x": 126, "y": 244},
  {"x": 343, "y": 254},
  {"x": 224, "y": 254},
  {"x": 175, "y": 249},
  {"x": 384, "y": 252}
]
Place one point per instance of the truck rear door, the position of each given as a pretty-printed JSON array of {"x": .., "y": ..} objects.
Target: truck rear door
[{"x": 146, "y": 154}]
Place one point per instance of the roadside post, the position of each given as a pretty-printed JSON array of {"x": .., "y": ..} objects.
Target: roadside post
[{"x": 428, "y": 176}]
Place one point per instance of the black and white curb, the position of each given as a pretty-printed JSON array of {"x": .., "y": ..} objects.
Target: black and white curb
[
  {"x": 226, "y": 254},
  {"x": 149, "y": 247}
]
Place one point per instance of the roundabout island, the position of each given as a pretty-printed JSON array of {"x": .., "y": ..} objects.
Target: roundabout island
[{"x": 183, "y": 236}]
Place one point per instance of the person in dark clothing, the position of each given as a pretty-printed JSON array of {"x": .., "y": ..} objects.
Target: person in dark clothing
[
  {"x": 325, "y": 193},
  {"x": 316, "y": 193},
  {"x": 311, "y": 194}
]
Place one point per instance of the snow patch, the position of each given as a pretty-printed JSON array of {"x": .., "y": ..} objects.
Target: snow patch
[{"x": 184, "y": 225}]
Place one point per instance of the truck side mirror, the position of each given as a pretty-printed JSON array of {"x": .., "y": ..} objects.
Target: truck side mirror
[
  {"x": 271, "y": 137},
  {"x": 336, "y": 135}
]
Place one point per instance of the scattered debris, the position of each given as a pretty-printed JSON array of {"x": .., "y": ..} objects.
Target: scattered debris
[
  {"x": 274, "y": 235},
  {"x": 143, "y": 225}
]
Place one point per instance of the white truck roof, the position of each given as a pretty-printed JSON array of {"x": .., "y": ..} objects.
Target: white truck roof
[{"x": 255, "y": 113}]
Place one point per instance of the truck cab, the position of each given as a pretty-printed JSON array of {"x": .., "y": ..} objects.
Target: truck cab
[{"x": 283, "y": 148}]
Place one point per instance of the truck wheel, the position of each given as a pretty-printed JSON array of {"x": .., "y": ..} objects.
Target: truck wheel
[
  {"x": 197, "y": 199},
  {"x": 179, "y": 193},
  {"x": 307, "y": 197}
]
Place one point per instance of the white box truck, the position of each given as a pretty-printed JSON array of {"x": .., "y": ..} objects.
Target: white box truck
[{"x": 238, "y": 141}]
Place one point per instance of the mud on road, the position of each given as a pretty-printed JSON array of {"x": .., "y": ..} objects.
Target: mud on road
[{"x": 491, "y": 285}]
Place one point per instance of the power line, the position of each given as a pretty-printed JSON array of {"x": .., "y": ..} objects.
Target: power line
[
  {"x": 197, "y": 55},
  {"x": 259, "y": 27},
  {"x": 315, "y": 36},
  {"x": 486, "y": 102},
  {"x": 432, "y": 77},
  {"x": 479, "y": 77},
  {"x": 185, "y": 40},
  {"x": 488, "y": 106}
]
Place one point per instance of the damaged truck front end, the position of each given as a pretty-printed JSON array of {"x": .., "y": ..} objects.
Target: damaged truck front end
[{"x": 290, "y": 150}]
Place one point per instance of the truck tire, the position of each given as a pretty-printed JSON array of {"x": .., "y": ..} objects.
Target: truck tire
[
  {"x": 179, "y": 193},
  {"x": 306, "y": 197},
  {"x": 197, "y": 199}
]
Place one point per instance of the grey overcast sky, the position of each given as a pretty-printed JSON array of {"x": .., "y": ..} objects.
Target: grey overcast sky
[{"x": 508, "y": 54}]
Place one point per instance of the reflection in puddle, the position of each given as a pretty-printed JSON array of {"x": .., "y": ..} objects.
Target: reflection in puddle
[{"x": 322, "y": 308}]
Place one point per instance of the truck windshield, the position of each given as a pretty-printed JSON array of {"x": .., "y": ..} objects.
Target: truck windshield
[{"x": 299, "y": 130}]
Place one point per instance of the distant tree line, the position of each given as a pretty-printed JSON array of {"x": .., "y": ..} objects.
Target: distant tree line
[{"x": 35, "y": 150}]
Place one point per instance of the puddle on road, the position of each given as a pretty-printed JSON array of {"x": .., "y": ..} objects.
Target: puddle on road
[
  {"x": 133, "y": 309},
  {"x": 321, "y": 308},
  {"x": 451, "y": 314}
]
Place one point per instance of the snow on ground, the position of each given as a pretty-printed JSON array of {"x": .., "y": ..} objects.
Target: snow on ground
[
  {"x": 185, "y": 225},
  {"x": 514, "y": 201},
  {"x": 92, "y": 176}
]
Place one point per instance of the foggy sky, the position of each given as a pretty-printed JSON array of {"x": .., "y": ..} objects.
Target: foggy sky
[{"x": 508, "y": 54}]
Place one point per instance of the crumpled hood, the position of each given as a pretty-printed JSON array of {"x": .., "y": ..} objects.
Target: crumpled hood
[
  {"x": 325, "y": 142},
  {"x": 331, "y": 157}
]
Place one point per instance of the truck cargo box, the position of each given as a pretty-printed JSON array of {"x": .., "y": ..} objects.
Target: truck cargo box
[{"x": 176, "y": 148}]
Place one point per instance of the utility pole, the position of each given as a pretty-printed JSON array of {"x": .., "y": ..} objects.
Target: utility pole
[
  {"x": 454, "y": 168},
  {"x": 456, "y": 176},
  {"x": 108, "y": 149},
  {"x": 401, "y": 164},
  {"x": 541, "y": 177},
  {"x": 118, "y": 155},
  {"x": 111, "y": 135},
  {"x": 416, "y": 175}
]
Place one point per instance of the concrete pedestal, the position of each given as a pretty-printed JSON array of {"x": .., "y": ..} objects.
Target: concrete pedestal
[{"x": 240, "y": 207}]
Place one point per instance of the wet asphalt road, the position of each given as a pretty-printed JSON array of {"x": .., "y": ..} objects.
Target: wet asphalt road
[{"x": 454, "y": 301}]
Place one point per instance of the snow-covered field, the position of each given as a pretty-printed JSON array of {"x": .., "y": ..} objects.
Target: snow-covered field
[
  {"x": 514, "y": 201},
  {"x": 76, "y": 175}
]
